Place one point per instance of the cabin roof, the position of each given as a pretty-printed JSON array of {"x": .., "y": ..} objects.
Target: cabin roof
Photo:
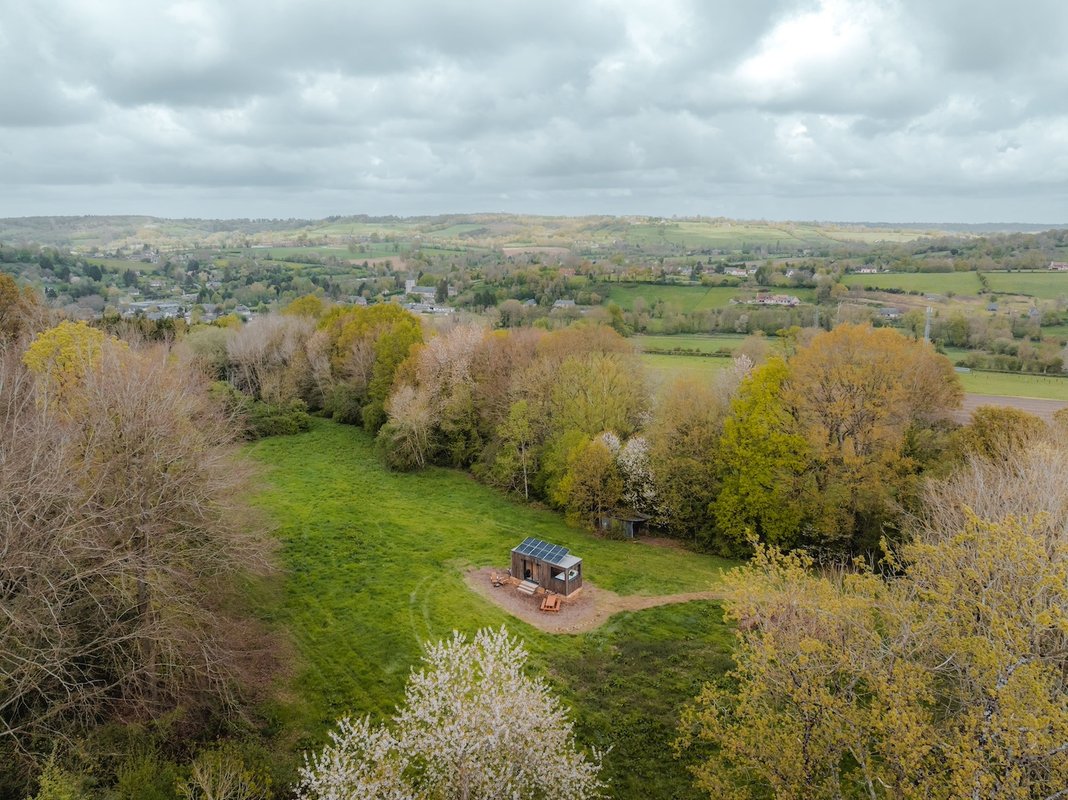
[{"x": 543, "y": 551}]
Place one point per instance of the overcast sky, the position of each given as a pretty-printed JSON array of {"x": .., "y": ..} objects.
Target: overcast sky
[{"x": 935, "y": 110}]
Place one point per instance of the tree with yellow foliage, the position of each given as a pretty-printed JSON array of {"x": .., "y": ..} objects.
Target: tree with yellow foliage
[
  {"x": 948, "y": 679},
  {"x": 63, "y": 356}
]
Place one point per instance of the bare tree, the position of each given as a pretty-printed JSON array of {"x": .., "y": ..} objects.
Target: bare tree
[
  {"x": 121, "y": 531},
  {"x": 269, "y": 357}
]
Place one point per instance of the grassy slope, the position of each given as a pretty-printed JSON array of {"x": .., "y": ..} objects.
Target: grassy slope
[
  {"x": 963, "y": 283},
  {"x": 1044, "y": 285},
  {"x": 374, "y": 563}
]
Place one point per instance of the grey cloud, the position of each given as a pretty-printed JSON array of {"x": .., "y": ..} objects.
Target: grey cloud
[{"x": 800, "y": 108}]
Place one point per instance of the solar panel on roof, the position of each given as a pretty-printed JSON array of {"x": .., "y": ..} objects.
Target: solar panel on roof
[{"x": 543, "y": 551}]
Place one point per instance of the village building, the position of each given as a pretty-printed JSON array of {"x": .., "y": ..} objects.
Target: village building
[
  {"x": 775, "y": 300},
  {"x": 550, "y": 566},
  {"x": 427, "y": 293}
]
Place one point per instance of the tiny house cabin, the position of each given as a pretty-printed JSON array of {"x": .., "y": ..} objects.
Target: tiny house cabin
[{"x": 551, "y": 566}]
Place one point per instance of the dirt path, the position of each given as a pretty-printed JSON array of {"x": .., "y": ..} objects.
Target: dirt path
[
  {"x": 590, "y": 609},
  {"x": 1032, "y": 405}
]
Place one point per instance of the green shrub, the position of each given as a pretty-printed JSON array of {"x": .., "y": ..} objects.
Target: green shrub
[
  {"x": 343, "y": 404},
  {"x": 56, "y": 783},
  {"x": 146, "y": 778}
]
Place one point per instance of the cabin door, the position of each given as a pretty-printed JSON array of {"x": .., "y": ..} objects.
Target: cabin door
[{"x": 528, "y": 570}]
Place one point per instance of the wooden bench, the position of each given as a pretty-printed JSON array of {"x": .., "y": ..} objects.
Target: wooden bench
[{"x": 551, "y": 603}]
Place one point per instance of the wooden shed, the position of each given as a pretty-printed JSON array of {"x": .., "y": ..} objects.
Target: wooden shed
[
  {"x": 627, "y": 523},
  {"x": 551, "y": 566}
]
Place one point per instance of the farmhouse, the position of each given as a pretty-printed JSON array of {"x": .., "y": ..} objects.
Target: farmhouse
[
  {"x": 776, "y": 300},
  {"x": 551, "y": 566},
  {"x": 1059, "y": 266}
]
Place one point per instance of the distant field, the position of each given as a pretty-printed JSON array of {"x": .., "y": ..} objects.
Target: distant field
[
  {"x": 123, "y": 264},
  {"x": 741, "y": 235},
  {"x": 684, "y": 298},
  {"x": 1043, "y": 285},
  {"x": 965, "y": 283},
  {"x": 1010, "y": 384},
  {"x": 1059, "y": 332},
  {"x": 697, "y": 342},
  {"x": 371, "y": 250},
  {"x": 662, "y": 369}
]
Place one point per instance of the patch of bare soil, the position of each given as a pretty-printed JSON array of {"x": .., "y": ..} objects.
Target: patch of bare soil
[{"x": 581, "y": 612}]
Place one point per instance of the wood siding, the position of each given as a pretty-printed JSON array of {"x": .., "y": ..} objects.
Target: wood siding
[{"x": 542, "y": 573}]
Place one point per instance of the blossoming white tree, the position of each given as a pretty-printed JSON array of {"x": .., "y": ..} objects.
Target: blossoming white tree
[{"x": 473, "y": 726}]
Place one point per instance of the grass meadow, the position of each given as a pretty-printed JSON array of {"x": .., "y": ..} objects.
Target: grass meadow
[
  {"x": 373, "y": 565},
  {"x": 943, "y": 283},
  {"x": 1043, "y": 285},
  {"x": 663, "y": 367},
  {"x": 684, "y": 298},
  {"x": 1015, "y": 384},
  {"x": 698, "y": 343}
]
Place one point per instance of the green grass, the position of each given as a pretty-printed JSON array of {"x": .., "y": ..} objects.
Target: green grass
[
  {"x": 663, "y": 368},
  {"x": 698, "y": 343},
  {"x": 1013, "y": 384},
  {"x": 962, "y": 283},
  {"x": 1043, "y": 285},
  {"x": 1057, "y": 333},
  {"x": 682, "y": 298},
  {"x": 373, "y": 568}
]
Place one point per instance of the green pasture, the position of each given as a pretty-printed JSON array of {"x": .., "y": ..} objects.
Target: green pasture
[
  {"x": 943, "y": 283},
  {"x": 684, "y": 298},
  {"x": 371, "y": 250},
  {"x": 1043, "y": 285},
  {"x": 123, "y": 264},
  {"x": 698, "y": 343},
  {"x": 1015, "y": 384},
  {"x": 663, "y": 368},
  {"x": 1055, "y": 332},
  {"x": 373, "y": 564}
]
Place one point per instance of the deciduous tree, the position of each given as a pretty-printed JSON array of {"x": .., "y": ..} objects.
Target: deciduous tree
[{"x": 472, "y": 725}]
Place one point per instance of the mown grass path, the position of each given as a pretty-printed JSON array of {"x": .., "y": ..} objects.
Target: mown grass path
[{"x": 373, "y": 567}]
